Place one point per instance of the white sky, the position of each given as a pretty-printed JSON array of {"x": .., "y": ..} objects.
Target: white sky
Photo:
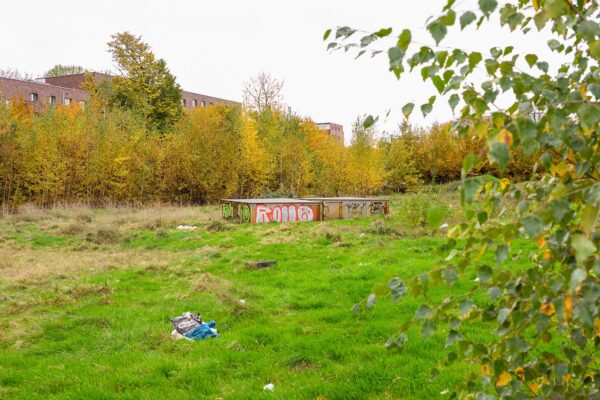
[{"x": 213, "y": 47}]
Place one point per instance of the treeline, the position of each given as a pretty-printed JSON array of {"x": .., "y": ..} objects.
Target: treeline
[
  {"x": 435, "y": 155},
  {"x": 67, "y": 154}
]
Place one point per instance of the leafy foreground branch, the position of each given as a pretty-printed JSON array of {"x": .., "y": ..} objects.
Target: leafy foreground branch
[{"x": 544, "y": 320}]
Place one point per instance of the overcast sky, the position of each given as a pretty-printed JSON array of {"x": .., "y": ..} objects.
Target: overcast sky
[{"x": 213, "y": 47}]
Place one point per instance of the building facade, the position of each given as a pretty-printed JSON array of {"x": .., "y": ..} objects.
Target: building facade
[
  {"x": 40, "y": 94},
  {"x": 66, "y": 89},
  {"x": 336, "y": 131}
]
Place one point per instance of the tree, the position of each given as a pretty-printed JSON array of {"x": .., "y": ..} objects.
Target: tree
[
  {"x": 145, "y": 84},
  {"x": 263, "y": 92},
  {"x": 544, "y": 321},
  {"x": 59, "y": 70},
  {"x": 15, "y": 74},
  {"x": 366, "y": 171}
]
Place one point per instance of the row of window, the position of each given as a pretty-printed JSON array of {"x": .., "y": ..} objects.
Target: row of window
[
  {"x": 33, "y": 97},
  {"x": 195, "y": 103}
]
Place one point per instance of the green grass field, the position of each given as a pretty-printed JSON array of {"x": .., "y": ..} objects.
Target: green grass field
[{"x": 86, "y": 296}]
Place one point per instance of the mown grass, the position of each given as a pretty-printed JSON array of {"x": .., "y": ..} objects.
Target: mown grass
[{"x": 97, "y": 325}]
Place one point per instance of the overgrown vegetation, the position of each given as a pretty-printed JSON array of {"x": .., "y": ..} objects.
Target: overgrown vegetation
[
  {"x": 543, "y": 320},
  {"x": 70, "y": 155}
]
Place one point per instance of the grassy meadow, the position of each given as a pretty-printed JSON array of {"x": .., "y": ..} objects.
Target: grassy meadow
[{"x": 86, "y": 296}]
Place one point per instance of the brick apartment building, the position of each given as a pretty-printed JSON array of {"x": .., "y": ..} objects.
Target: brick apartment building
[
  {"x": 336, "y": 131},
  {"x": 66, "y": 89}
]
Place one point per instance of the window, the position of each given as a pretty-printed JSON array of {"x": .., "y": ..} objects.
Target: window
[
  {"x": 183, "y": 102},
  {"x": 194, "y": 103},
  {"x": 52, "y": 100},
  {"x": 82, "y": 104},
  {"x": 203, "y": 103},
  {"x": 67, "y": 101},
  {"x": 33, "y": 97}
]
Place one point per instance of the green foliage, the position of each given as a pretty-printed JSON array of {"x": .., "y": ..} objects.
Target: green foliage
[
  {"x": 145, "y": 85},
  {"x": 59, "y": 70},
  {"x": 553, "y": 302}
]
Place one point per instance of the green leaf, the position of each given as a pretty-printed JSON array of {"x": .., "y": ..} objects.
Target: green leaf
[
  {"x": 576, "y": 278},
  {"x": 453, "y": 101},
  {"x": 344, "y": 32},
  {"x": 428, "y": 328},
  {"x": 494, "y": 293},
  {"x": 407, "y": 109},
  {"x": 438, "y": 31},
  {"x": 397, "y": 342},
  {"x": 383, "y": 32},
  {"x": 435, "y": 215},
  {"x": 326, "y": 34},
  {"x": 438, "y": 83},
  {"x": 533, "y": 225},
  {"x": 426, "y": 109},
  {"x": 503, "y": 315},
  {"x": 369, "y": 121},
  {"x": 466, "y": 19},
  {"x": 404, "y": 39},
  {"x": 449, "y": 275},
  {"x": 371, "y": 301},
  {"x": 474, "y": 59},
  {"x": 397, "y": 289},
  {"x": 424, "y": 311},
  {"x": 531, "y": 59},
  {"x": 470, "y": 188},
  {"x": 583, "y": 247},
  {"x": 543, "y": 65},
  {"x": 395, "y": 55},
  {"x": 449, "y": 18},
  {"x": 589, "y": 115},
  {"x": 595, "y": 49},
  {"x": 501, "y": 254},
  {"x": 465, "y": 307},
  {"x": 487, "y": 6},
  {"x": 555, "y": 8},
  {"x": 589, "y": 214},
  {"x": 484, "y": 273},
  {"x": 499, "y": 154}
]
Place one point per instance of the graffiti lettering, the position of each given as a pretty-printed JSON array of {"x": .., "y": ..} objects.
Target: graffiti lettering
[
  {"x": 227, "y": 210},
  {"x": 376, "y": 207},
  {"x": 284, "y": 213},
  {"x": 355, "y": 209},
  {"x": 244, "y": 212}
]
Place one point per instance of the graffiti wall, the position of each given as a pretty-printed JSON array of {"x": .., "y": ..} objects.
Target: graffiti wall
[
  {"x": 275, "y": 212},
  {"x": 286, "y": 213},
  {"x": 236, "y": 211},
  {"x": 353, "y": 209}
]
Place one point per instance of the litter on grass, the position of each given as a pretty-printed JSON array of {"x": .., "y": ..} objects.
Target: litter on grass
[
  {"x": 187, "y": 228},
  {"x": 260, "y": 264},
  {"x": 190, "y": 326},
  {"x": 269, "y": 387}
]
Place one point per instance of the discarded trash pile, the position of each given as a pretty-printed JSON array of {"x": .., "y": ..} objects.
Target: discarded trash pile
[{"x": 191, "y": 327}]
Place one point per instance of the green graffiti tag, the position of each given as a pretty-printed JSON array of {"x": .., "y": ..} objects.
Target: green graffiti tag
[
  {"x": 227, "y": 210},
  {"x": 244, "y": 212}
]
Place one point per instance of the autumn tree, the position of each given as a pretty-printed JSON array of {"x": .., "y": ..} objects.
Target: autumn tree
[
  {"x": 401, "y": 170},
  {"x": 263, "y": 92},
  {"x": 543, "y": 321},
  {"x": 144, "y": 83},
  {"x": 366, "y": 166}
]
